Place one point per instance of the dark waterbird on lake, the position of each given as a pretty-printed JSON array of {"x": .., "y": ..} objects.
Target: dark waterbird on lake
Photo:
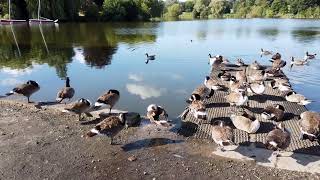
[
  {"x": 310, "y": 56},
  {"x": 150, "y": 58},
  {"x": 26, "y": 89}
]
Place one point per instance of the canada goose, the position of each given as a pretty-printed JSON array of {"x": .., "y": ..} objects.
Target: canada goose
[
  {"x": 241, "y": 75},
  {"x": 257, "y": 76},
  {"x": 265, "y": 52},
  {"x": 236, "y": 86},
  {"x": 281, "y": 84},
  {"x": 222, "y": 134},
  {"x": 297, "y": 98},
  {"x": 256, "y": 87},
  {"x": 240, "y": 63},
  {"x": 26, "y": 89},
  {"x": 276, "y": 56},
  {"x": 212, "y": 84},
  {"x": 158, "y": 115},
  {"x": 255, "y": 65},
  {"x": 65, "y": 93},
  {"x": 109, "y": 98},
  {"x": 216, "y": 60},
  {"x": 310, "y": 125},
  {"x": 298, "y": 62},
  {"x": 150, "y": 58},
  {"x": 278, "y": 138},
  {"x": 274, "y": 72},
  {"x": 237, "y": 99},
  {"x": 197, "y": 108},
  {"x": 245, "y": 122},
  {"x": 224, "y": 75},
  {"x": 79, "y": 107},
  {"x": 110, "y": 127},
  {"x": 310, "y": 56},
  {"x": 201, "y": 93},
  {"x": 278, "y": 63},
  {"x": 274, "y": 112}
]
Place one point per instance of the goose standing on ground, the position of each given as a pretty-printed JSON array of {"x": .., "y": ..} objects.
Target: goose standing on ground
[
  {"x": 274, "y": 72},
  {"x": 158, "y": 115},
  {"x": 237, "y": 99},
  {"x": 216, "y": 60},
  {"x": 212, "y": 84},
  {"x": 278, "y": 138},
  {"x": 241, "y": 75},
  {"x": 110, "y": 127},
  {"x": 245, "y": 122},
  {"x": 310, "y": 56},
  {"x": 26, "y": 89},
  {"x": 256, "y": 87},
  {"x": 79, "y": 107},
  {"x": 224, "y": 75},
  {"x": 197, "y": 108},
  {"x": 276, "y": 56},
  {"x": 310, "y": 125},
  {"x": 201, "y": 93},
  {"x": 257, "y": 76},
  {"x": 150, "y": 58},
  {"x": 298, "y": 62},
  {"x": 65, "y": 93},
  {"x": 236, "y": 85},
  {"x": 265, "y": 52},
  {"x": 222, "y": 134},
  {"x": 255, "y": 65},
  {"x": 109, "y": 98},
  {"x": 278, "y": 63},
  {"x": 297, "y": 98},
  {"x": 274, "y": 112},
  {"x": 240, "y": 63},
  {"x": 281, "y": 84}
]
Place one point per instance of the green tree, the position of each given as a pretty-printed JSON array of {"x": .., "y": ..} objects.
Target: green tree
[
  {"x": 174, "y": 11},
  {"x": 188, "y": 6},
  {"x": 218, "y": 8}
]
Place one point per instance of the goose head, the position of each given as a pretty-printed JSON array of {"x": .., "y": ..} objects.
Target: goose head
[
  {"x": 278, "y": 106},
  {"x": 194, "y": 97},
  {"x": 85, "y": 101},
  {"x": 201, "y": 114},
  {"x": 152, "y": 107},
  {"x": 122, "y": 117},
  {"x": 147, "y": 54},
  {"x": 33, "y": 83}
]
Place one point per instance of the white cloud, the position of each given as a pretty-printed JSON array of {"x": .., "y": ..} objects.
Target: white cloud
[
  {"x": 19, "y": 72},
  {"x": 10, "y": 82},
  {"x": 78, "y": 55},
  {"x": 145, "y": 91},
  {"x": 135, "y": 77}
]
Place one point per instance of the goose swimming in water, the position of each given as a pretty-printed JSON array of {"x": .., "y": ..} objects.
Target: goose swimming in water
[
  {"x": 265, "y": 52},
  {"x": 150, "y": 58},
  {"x": 310, "y": 125},
  {"x": 310, "y": 56},
  {"x": 26, "y": 89},
  {"x": 109, "y": 98},
  {"x": 278, "y": 138},
  {"x": 110, "y": 127},
  {"x": 65, "y": 93},
  {"x": 298, "y": 62}
]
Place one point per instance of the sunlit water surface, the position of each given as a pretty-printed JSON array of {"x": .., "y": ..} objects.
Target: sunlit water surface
[{"x": 101, "y": 56}]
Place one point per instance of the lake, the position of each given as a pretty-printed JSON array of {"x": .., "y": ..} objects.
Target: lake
[{"x": 101, "y": 56}]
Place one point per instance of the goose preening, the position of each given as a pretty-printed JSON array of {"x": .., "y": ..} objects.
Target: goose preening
[
  {"x": 201, "y": 93},
  {"x": 26, "y": 89},
  {"x": 212, "y": 84},
  {"x": 197, "y": 108},
  {"x": 310, "y": 56},
  {"x": 158, "y": 115},
  {"x": 109, "y": 98},
  {"x": 222, "y": 134},
  {"x": 256, "y": 87},
  {"x": 65, "y": 93},
  {"x": 224, "y": 75},
  {"x": 297, "y": 98},
  {"x": 298, "y": 62},
  {"x": 281, "y": 84},
  {"x": 257, "y": 76},
  {"x": 255, "y": 65},
  {"x": 236, "y": 85},
  {"x": 310, "y": 125},
  {"x": 274, "y": 112},
  {"x": 237, "y": 99},
  {"x": 265, "y": 52},
  {"x": 79, "y": 107},
  {"x": 245, "y": 122},
  {"x": 110, "y": 127},
  {"x": 276, "y": 56},
  {"x": 278, "y": 63},
  {"x": 150, "y": 58},
  {"x": 278, "y": 138}
]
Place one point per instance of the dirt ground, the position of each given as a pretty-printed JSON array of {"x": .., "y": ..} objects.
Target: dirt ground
[{"x": 48, "y": 144}]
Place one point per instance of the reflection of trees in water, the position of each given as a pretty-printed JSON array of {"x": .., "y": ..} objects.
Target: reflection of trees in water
[
  {"x": 306, "y": 35},
  {"x": 100, "y": 42},
  {"x": 271, "y": 33},
  {"x": 98, "y": 56}
]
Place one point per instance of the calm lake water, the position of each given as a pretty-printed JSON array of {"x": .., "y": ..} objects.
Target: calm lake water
[{"x": 100, "y": 56}]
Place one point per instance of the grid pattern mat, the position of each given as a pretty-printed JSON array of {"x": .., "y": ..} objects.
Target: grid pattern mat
[{"x": 219, "y": 109}]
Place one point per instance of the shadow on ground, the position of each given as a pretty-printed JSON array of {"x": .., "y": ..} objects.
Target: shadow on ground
[{"x": 151, "y": 142}]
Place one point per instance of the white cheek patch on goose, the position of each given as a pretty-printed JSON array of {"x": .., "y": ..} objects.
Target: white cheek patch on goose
[
  {"x": 95, "y": 131},
  {"x": 99, "y": 104},
  {"x": 306, "y": 133},
  {"x": 273, "y": 143},
  {"x": 200, "y": 114}
]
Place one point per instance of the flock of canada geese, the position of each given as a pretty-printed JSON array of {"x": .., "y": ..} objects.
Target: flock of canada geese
[{"x": 240, "y": 85}]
